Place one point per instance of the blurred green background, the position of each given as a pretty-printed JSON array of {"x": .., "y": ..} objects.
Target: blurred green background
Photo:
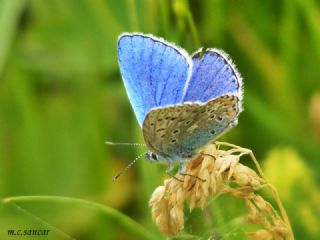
[{"x": 61, "y": 98}]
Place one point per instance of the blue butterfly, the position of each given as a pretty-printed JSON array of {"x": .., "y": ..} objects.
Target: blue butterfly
[{"x": 181, "y": 102}]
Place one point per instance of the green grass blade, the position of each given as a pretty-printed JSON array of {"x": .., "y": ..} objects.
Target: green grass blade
[
  {"x": 9, "y": 15},
  {"x": 122, "y": 220}
]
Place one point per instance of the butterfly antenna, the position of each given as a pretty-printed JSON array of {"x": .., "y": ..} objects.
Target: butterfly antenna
[
  {"x": 125, "y": 144},
  {"x": 127, "y": 167}
]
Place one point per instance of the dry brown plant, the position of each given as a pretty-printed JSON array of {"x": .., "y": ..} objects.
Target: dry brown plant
[{"x": 212, "y": 173}]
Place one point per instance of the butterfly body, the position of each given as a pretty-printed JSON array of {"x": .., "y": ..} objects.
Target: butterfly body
[{"x": 181, "y": 102}]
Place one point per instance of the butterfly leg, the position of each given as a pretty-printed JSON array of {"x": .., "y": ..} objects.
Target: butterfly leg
[
  {"x": 182, "y": 167},
  {"x": 209, "y": 155},
  {"x": 169, "y": 169},
  {"x": 182, "y": 172}
]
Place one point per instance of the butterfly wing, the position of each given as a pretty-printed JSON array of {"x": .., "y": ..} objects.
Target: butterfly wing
[
  {"x": 175, "y": 133},
  {"x": 154, "y": 72},
  {"x": 213, "y": 75}
]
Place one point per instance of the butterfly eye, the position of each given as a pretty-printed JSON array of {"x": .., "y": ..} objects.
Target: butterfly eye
[
  {"x": 151, "y": 156},
  {"x": 154, "y": 156}
]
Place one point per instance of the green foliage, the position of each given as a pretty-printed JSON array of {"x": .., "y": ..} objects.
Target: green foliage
[{"x": 61, "y": 97}]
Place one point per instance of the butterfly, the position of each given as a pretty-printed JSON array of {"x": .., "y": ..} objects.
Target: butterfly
[{"x": 181, "y": 102}]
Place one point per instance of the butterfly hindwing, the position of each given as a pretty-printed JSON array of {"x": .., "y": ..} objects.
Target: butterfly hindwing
[
  {"x": 154, "y": 72},
  {"x": 213, "y": 75},
  {"x": 177, "y": 132}
]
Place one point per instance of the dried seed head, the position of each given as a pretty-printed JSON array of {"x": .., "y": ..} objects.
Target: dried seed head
[
  {"x": 210, "y": 174},
  {"x": 167, "y": 210},
  {"x": 261, "y": 234}
]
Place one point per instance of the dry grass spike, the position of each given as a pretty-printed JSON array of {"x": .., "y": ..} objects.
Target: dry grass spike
[{"x": 220, "y": 169}]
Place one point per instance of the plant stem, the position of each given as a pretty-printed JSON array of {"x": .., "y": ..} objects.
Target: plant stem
[
  {"x": 131, "y": 5},
  {"x": 193, "y": 27},
  {"x": 10, "y": 11}
]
